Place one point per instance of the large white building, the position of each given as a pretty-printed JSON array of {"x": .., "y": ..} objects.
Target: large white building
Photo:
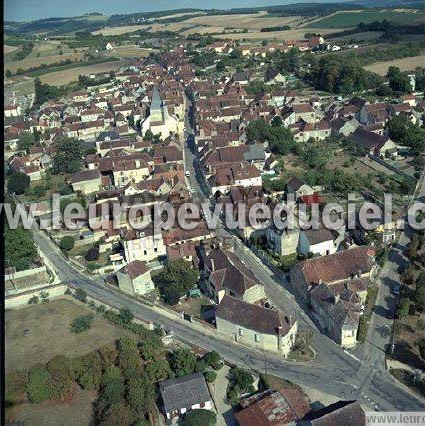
[{"x": 159, "y": 121}]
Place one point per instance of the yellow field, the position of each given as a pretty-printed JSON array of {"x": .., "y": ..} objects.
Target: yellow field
[
  {"x": 295, "y": 34},
  {"x": 119, "y": 30},
  {"x": 9, "y": 49},
  {"x": 203, "y": 30},
  {"x": 250, "y": 21},
  {"x": 59, "y": 78},
  {"x": 33, "y": 62},
  {"x": 178, "y": 15},
  {"x": 405, "y": 64},
  {"x": 129, "y": 51}
]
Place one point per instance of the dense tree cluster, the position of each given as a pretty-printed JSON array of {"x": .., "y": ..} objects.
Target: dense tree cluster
[
  {"x": 398, "y": 81},
  {"x": 403, "y": 131},
  {"x": 19, "y": 248},
  {"x": 67, "y": 158},
  {"x": 280, "y": 139},
  {"x": 176, "y": 280},
  {"x": 347, "y": 76}
]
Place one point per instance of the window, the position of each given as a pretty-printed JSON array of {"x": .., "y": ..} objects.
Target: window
[
  {"x": 240, "y": 332},
  {"x": 257, "y": 338}
]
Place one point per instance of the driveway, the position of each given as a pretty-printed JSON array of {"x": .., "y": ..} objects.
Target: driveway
[{"x": 218, "y": 391}]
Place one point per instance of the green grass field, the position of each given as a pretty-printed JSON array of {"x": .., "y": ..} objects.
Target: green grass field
[{"x": 352, "y": 19}]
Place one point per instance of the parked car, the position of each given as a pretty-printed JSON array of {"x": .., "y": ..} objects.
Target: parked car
[{"x": 187, "y": 173}]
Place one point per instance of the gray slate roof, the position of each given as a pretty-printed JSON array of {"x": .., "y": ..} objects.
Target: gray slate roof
[
  {"x": 184, "y": 392},
  {"x": 156, "y": 99}
]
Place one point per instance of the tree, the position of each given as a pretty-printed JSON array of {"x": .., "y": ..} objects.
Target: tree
[
  {"x": 81, "y": 295},
  {"x": 117, "y": 414},
  {"x": 281, "y": 139},
  {"x": 18, "y": 183},
  {"x": 398, "y": 81},
  {"x": 8, "y": 73},
  {"x": 242, "y": 378},
  {"x": 419, "y": 298},
  {"x": 148, "y": 135},
  {"x": 112, "y": 390},
  {"x": 140, "y": 395},
  {"x": 88, "y": 370},
  {"x": 67, "y": 242},
  {"x": 403, "y": 308},
  {"x": 67, "y": 158},
  {"x": 108, "y": 355},
  {"x": 82, "y": 323},
  {"x": 199, "y": 417},
  {"x": 34, "y": 300},
  {"x": 158, "y": 370},
  {"x": 92, "y": 254},
  {"x": 38, "y": 385},
  {"x": 175, "y": 280},
  {"x": 128, "y": 357},
  {"x": 60, "y": 376},
  {"x": 39, "y": 191},
  {"x": 220, "y": 66},
  {"x": 25, "y": 141},
  {"x": 126, "y": 315},
  {"x": 212, "y": 359},
  {"x": 210, "y": 376},
  {"x": 20, "y": 250},
  {"x": 182, "y": 362}
]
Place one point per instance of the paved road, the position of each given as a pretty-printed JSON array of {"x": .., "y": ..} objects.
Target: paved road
[
  {"x": 368, "y": 377},
  {"x": 333, "y": 371}
]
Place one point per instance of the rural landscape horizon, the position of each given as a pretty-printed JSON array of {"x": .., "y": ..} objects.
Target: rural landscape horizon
[{"x": 214, "y": 212}]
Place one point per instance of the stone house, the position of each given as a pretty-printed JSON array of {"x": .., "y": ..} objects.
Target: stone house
[
  {"x": 256, "y": 326},
  {"x": 184, "y": 394},
  {"x": 225, "y": 274},
  {"x": 86, "y": 181},
  {"x": 135, "y": 278},
  {"x": 336, "y": 287},
  {"x": 145, "y": 245},
  {"x": 316, "y": 241}
]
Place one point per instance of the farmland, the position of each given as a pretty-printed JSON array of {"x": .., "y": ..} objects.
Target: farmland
[
  {"x": 353, "y": 18},
  {"x": 292, "y": 34},
  {"x": 405, "y": 64},
  {"x": 65, "y": 76},
  {"x": 239, "y": 21}
]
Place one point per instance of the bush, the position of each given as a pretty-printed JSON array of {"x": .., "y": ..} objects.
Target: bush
[
  {"x": 67, "y": 243},
  {"x": 210, "y": 376},
  {"x": 38, "y": 385},
  {"x": 39, "y": 190},
  {"x": 199, "y": 417},
  {"x": 126, "y": 315},
  {"x": 212, "y": 359},
  {"x": 61, "y": 377},
  {"x": 34, "y": 300},
  {"x": 92, "y": 254},
  {"x": 81, "y": 295},
  {"x": 403, "y": 308},
  {"x": 82, "y": 323},
  {"x": 200, "y": 367},
  {"x": 242, "y": 378}
]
